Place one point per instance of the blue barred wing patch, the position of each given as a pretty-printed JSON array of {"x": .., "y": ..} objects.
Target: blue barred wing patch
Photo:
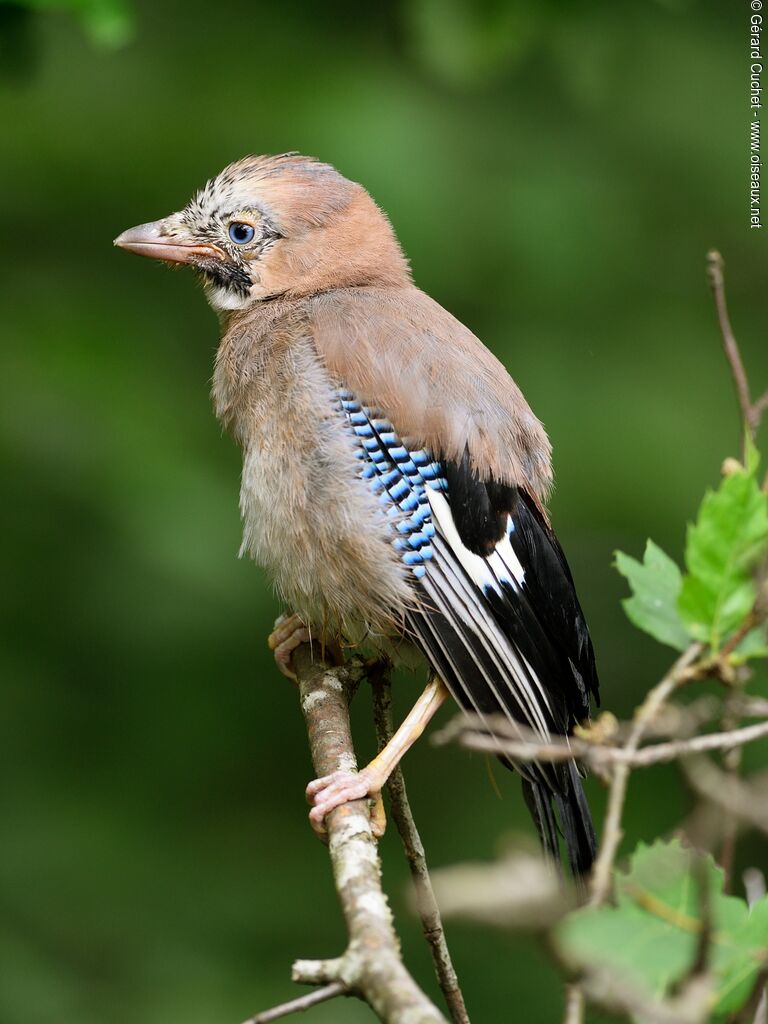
[
  {"x": 478, "y": 599},
  {"x": 399, "y": 477}
]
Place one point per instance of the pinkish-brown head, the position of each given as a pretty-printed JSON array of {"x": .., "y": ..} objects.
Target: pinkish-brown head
[{"x": 276, "y": 225}]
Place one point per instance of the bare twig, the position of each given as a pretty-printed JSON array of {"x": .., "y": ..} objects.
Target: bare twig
[
  {"x": 753, "y": 707},
  {"x": 521, "y": 890},
  {"x": 760, "y": 405},
  {"x": 612, "y": 831},
  {"x": 574, "y": 1005},
  {"x": 732, "y": 796},
  {"x": 426, "y": 903},
  {"x": 755, "y": 1010},
  {"x": 305, "y": 1002},
  {"x": 530, "y": 748},
  {"x": 732, "y": 758},
  {"x": 371, "y": 966},
  {"x": 704, "y": 939},
  {"x": 729, "y": 793},
  {"x": 613, "y": 992},
  {"x": 755, "y": 617},
  {"x": 752, "y": 412},
  {"x": 754, "y": 885}
]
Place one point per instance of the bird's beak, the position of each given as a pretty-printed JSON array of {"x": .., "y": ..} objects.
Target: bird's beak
[{"x": 150, "y": 240}]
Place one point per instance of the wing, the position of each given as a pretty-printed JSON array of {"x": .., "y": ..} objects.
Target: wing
[
  {"x": 497, "y": 615},
  {"x": 499, "y": 618},
  {"x": 403, "y": 355}
]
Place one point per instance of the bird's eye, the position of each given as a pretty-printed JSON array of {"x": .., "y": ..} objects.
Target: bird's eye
[{"x": 240, "y": 233}]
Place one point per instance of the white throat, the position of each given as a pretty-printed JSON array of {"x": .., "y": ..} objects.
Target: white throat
[{"x": 225, "y": 299}]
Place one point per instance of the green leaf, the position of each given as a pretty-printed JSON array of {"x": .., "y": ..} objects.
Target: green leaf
[
  {"x": 723, "y": 545},
  {"x": 656, "y": 583},
  {"x": 650, "y": 937}
]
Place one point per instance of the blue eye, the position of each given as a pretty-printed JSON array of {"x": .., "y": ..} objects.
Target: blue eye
[{"x": 241, "y": 234}]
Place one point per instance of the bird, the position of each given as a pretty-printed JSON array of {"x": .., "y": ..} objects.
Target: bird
[{"x": 394, "y": 479}]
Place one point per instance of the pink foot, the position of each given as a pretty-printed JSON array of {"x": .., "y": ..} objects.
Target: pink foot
[
  {"x": 341, "y": 787},
  {"x": 288, "y": 634}
]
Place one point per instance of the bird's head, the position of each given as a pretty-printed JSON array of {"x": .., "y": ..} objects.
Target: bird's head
[{"x": 281, "y": 225}]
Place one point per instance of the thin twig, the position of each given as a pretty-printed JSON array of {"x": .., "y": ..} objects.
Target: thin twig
[
  {"x": 732, "y": 758},
  {"x": 616, "y": 993},
  {"x": 402, "y": 815},
  {"x": 602, "y": 871},
  {"x": 754, "y": 885},
  {"x": 754, "y": 618},
  {"x": 755, "y": 1010},
  {"x": 574, "y": 1005},
  {"x": 760, "y": 405},
  {"x": 701, "y": 960},
  {"x": 612, "y": 831},
  {"x": 630, "y": 755},
  {"x": 305, "y": 1002},
  {"x": 601, "y": 757},
  {"x": 730, "y": 794},
  {"x": 753, "y": 707},
  {"x": 752, "y": 412}
]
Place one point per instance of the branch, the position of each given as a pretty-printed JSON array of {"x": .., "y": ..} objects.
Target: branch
[
  {"x": 426, "y": 903},
  {"x": 529, "y": 748},
  {"x": 371, "y": 967},
  {"x": 752, "y": 412}
]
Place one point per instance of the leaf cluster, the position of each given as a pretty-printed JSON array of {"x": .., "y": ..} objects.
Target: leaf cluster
[
  {"x": 649, "y": 939},
  {"x": 713, "y": 598}
]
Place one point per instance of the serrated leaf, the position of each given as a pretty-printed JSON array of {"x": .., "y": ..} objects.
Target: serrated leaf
[
  {"x": 650, "y": 937},
  {"x": 656, "y": 583},
  {"x": 723, "y": 545}
]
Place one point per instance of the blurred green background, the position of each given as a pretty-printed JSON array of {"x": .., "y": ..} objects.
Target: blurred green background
[{"x": 556, "y": 173}]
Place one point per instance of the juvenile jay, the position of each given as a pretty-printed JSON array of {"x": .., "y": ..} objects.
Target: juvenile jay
[{"x": 393, "y": 474}]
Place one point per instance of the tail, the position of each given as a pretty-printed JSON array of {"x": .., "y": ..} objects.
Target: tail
[{"x": 573, "y": 820}]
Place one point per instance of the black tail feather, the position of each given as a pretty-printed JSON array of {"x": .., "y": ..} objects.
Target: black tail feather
[
  {"x": 538, "y": 798},
  {"x": 575, "y": 820}
]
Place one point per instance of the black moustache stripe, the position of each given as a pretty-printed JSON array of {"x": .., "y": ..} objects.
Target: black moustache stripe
[{"x": 225, "y": 275}]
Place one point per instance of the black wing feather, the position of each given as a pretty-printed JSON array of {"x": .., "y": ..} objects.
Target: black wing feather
[
  {"x": 553, "y": 594},
  {"x": 519, "y": 645},
  {"x": 480, "y": 510}
]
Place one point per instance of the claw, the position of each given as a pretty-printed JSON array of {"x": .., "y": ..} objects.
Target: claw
[
  {"x": 288, "y": 634},
  {"x": 341, "y": 787},
  {"x": 378, "y": 816}
]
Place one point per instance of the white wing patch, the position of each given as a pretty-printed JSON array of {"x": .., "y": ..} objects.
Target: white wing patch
[
  {"x": 457, "y": 599},
  {"x": 503, "y": 565}
]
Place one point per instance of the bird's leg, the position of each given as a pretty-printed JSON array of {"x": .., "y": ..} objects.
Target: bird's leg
[{"x": 342, "y": 786}]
